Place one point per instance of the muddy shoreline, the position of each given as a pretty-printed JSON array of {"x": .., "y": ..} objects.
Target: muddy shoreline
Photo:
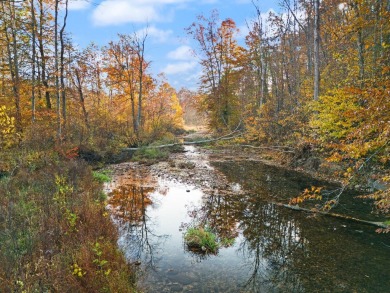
[{"x": 191, "y": 167}]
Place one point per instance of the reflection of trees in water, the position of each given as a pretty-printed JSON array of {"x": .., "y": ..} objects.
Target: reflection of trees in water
[
  {"x": 129, "y": 204},
  {"x": 217, "y": 213},
  {"x": 272, "y": 241}
]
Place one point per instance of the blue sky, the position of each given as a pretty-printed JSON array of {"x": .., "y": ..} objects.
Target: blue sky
[{"x": 167, "y": 46}]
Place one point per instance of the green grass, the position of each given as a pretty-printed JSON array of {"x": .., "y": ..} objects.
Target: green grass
[
  {"x": 101, "y": 176},
  {"x": 150, "y": 154},
  {"x": 201, "y": 240}
]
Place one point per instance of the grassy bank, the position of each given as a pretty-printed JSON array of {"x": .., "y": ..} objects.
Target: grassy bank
[{"x": 55, "y": 235}]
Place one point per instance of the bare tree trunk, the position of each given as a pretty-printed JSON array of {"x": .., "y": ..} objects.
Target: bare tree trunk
[
  {"x": 132, "y": 100},
  {"x": 360, "y": 46},
  {"x": 98, "y": 84},
  {"x": 131, "y": 85},
  {"x": 306, "y": 30},
  {"x": 16, "y": 66},
  {"x": 79, "y": 86},
  {"x": 3, "y": 61},
  {"x": 56, "y": 67},
  {"x": 43, "y": 56},
  {"x": 139, "y": 44},
  {"x": 62, "y": 66},
  {"x": 263, "y": 66},
  {"x": 33, "y": 22},
  {"x": 13, "y": 61},
  {"x": 316, "y": 49}
]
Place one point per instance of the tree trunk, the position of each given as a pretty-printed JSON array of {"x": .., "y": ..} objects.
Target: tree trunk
[
  {"x": 316, "y": 49},
  {"x": 79, "y": 86},
  {"x": 43, "y": 56},
  {"x": 360, "y": 46},
  {"x": 62, "y": 67},
  {"x": 135, "y": 125},
  {"x": 56, "y": 68},
  {"x": 33, "y": 32},
  {"x": 13, "y": 61},
  {"x": 140, "y": 51}
]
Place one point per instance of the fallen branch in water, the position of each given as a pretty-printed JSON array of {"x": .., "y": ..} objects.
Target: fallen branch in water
[
  {"x": 229, "y": 136},
  {"x": 274, "y": 148},
  {"x": 225, "y": 137},
  {"x": 348, "y": 218}
]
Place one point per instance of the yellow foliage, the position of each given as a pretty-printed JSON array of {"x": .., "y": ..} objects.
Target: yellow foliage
[
  {"x": 336, "y": 115},
  {"x": 77, "y": 271},
  {"x": 8, "y": 135}
]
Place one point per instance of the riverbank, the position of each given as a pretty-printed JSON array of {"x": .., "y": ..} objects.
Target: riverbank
[{"x": 55, "y": 233}]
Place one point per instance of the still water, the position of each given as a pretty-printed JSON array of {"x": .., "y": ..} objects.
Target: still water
[{"x": 274, "y": 249}]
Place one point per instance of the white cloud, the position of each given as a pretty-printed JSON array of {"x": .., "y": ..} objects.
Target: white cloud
[
  {"x": 157, "y": 35},
  {"x": 114, "y": 12},
  {"x": 78, "y": 4},
  {"x": 181, "y": 53},
  {"x": 180, "y": 67}
]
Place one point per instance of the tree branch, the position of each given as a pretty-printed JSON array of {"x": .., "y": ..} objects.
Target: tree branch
[{"x": 334, "y": 215}]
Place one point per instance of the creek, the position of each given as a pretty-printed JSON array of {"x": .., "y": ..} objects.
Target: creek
[{"x": 271, "y": 248}]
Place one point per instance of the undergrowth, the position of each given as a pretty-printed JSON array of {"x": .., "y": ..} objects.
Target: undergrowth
[{"x": 55, "y": 234}]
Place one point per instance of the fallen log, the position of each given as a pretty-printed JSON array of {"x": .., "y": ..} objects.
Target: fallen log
[
  {"x": 344, "y": 217},
  {"x": 274, "y": 148},
  {"x": 225, "y": 137}
]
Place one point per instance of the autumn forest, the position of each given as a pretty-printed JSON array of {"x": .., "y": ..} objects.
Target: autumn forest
[{"x": 313, "y": 79}]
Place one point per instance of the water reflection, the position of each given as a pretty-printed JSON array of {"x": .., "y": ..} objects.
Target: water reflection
[
  {"x": 268, "y": 242},
  {"x": 291, "y": 251},
  {"x": 128, "y": 204},
  {"x": 275, "y": 250}
]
